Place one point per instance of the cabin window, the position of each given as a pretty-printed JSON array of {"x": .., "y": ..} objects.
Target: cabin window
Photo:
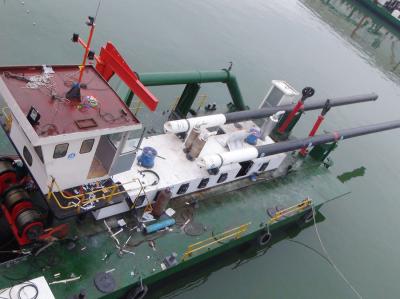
[
  {"x": 86, "y": 146},
  {"x": 222, "y": 178},
  {"x": 60, "y": 150},
  {"x": 203, "y": 183},
  {"x": 38, "y": 150},
  {"x": 183, "y": 188},
  {"x": 27, "y": 156},
  {"x": 263, "y": 166}
]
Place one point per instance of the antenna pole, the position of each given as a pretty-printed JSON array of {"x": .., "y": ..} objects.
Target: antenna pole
[{"x": 87, "y": 48}]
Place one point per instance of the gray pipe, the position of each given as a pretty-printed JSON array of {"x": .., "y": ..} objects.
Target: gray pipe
[
  {"x": 310, "y": 105},
  {"x": 287, "y": 146}
]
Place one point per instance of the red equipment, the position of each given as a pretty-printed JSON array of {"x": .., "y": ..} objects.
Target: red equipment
[
  {"x": 307, "y": 92},
  {"x": 25, "y": 220},
  {"x": 8, "y": 176},
  {"x": 111, "y": 62},
  {"x": 317, "y": 124}
]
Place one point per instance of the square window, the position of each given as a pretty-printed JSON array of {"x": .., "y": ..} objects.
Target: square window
[
  {"x": 60, "y": 150},
  {"x": 222, "y": 178},
  {"x": 86, "y": 146},
  {"x": 38, "y": 150},
  {"x": 203, "y": 183},
  {"x": 264, "y": 166},
  {"x": 183, "y": 188}
]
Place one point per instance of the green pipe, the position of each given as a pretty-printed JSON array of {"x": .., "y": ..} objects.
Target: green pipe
[{"x": 175, "y": 78}]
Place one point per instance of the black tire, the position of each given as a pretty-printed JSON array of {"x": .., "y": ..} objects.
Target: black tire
[
  {"x": 263, "y": 239},
  {"x": 137, "y": 293},
  {"x": 305, "y": 219}
]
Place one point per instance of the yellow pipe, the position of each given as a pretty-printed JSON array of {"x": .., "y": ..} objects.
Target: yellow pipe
[{"x": 81, "y": 197}]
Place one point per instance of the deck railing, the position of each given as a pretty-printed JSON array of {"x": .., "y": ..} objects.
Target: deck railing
[{"x": 234, "y": 233}]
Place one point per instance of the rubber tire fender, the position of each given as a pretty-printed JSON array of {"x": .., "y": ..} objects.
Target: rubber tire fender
[
  {"x": 308, "y": 216},
  {"x": 305, "y": 219},
  {"x": 264, "y": 238},
  {"x": 137, "y": 293}
]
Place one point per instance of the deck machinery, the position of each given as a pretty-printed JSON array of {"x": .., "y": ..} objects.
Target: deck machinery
[{"x": 81, "y": 151}]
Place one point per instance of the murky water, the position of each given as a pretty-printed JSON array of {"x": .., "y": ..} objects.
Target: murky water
[{"x": 334, "y": 46}]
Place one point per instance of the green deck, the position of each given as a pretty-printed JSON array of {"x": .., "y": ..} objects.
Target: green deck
[
  {"x": 219, "y": 212},
  {"x": 380, "y": 11}
]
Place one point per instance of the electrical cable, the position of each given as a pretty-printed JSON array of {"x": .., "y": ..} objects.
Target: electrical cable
[{"x": 30, "y": 284}]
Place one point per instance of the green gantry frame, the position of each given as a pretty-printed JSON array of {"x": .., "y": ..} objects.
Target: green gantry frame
[{"x": 192, "y": 81}]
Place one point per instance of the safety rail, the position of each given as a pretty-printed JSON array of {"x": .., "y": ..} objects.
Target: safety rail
[
  {"x": 80, "y": 199},
  {"x": 296, "y": 208},
  {"x": 233, "y": 233}
]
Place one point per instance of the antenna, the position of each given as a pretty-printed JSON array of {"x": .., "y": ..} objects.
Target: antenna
[{"x": 74, "y": 92}]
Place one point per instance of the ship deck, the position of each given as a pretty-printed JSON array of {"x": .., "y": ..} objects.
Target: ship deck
[{"x": 93, "y": 250}]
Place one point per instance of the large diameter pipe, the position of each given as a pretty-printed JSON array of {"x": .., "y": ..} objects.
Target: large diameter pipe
[
  {"x": 184, "y": 125},
  {"x": 175, "y": 78},
  {"x": 218, "y": 160},
  {"x": 312, "y": 105},
  {"x": 287, "y": 146}
]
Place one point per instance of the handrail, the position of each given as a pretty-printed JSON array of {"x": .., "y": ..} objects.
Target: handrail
[
  {"x": 80, "y": 197},
  {"x": 232, "y": 233},
  {"x": 295, "y": 208}
]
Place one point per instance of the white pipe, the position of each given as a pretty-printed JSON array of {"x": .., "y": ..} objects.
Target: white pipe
[
  {"x": 218, "y": 160},
  {"x": 184, "y": 125}
]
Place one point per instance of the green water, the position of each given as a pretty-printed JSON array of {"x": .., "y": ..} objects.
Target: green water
[{"x": 307, "y": 42}]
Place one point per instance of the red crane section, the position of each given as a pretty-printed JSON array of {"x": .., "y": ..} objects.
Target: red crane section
[{"x": 110, "y": 62}]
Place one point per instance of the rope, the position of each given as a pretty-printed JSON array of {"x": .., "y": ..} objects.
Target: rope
[{"x": 340, "y": 273}]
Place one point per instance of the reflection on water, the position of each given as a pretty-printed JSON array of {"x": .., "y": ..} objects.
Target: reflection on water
[
  {"x": 371, "y": 35},
  {"x": 181, "y": 284},
  {"x": 347, "y": 176}
]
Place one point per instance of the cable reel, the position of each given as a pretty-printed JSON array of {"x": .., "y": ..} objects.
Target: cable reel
[
  {"x": 8, "y": 175},
  {"x": 25, "y": 220}
]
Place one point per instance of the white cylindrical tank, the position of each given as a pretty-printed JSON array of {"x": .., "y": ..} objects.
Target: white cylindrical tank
[
  {"x": 217, "y": 160},
  {"x": 184, "y": 125}
]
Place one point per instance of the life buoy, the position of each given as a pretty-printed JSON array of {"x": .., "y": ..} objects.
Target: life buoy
[
  {"x": 137, "y": 293},
  {"x": 264, "y": 238}
]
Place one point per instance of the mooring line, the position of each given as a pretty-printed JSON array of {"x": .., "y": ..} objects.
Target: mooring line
[{"x": 330, "y": 259}]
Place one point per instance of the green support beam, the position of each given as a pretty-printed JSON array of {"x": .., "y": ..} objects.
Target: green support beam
[{"x": 187, "y": 98}]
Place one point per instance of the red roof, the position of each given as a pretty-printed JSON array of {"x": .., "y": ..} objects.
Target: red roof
[{"x": 99, "y": 108}]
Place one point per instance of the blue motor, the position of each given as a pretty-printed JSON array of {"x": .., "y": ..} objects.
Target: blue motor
[
  {"x": 146, "y": 159},
  {"x": 253, "y": 136}
]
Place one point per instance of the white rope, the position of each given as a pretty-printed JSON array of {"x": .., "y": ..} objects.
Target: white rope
[{"x": 330, "y": 259}]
